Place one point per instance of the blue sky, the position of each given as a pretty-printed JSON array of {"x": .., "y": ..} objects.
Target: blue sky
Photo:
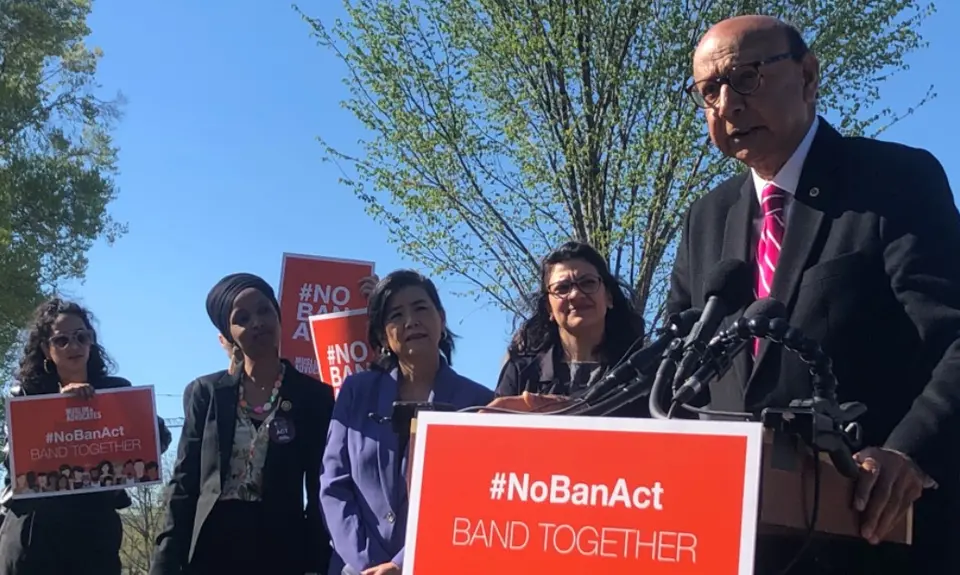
[{"x": 221, "y": 172}]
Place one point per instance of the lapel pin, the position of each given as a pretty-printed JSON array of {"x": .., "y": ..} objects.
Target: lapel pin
[
  {"x": 285, "y": 405},
  {"x": 814, "y": 192}
]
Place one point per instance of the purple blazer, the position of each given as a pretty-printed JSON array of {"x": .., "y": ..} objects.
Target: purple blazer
[{"x": 363, "y": 489}]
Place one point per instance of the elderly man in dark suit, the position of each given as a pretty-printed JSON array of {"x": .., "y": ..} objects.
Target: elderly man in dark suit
[{"x": 860, "y": 239}]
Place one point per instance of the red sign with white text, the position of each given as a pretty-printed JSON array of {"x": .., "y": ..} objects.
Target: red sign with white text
[
  {"x": 582, "y": 495},
  {"x": 340, "y": 342},
  {"x": 64, "y": 445},
  {"x": 312, "y": 285}
]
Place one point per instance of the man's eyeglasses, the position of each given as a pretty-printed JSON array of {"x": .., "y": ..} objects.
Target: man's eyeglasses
[
  {"x": 81, "y": 337},
  {"x": 586, "y": 285},
  {"x": 743, "y": 79}
]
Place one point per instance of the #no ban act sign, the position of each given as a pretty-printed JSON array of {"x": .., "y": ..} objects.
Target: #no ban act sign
[
  {"x": 340, "y": 344},
  {"x": 558, "y": 494}
]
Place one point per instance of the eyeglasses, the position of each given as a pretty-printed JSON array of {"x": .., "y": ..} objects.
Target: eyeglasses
[
  {"x": 81, "y": 337},
  {"x": 744, "y": 79},
  {"x": 586, "y": 285}
]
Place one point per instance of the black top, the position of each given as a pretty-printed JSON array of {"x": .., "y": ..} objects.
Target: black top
[
  {"x": 869, "y": 267},
  {"x": 203, "y": 460}
]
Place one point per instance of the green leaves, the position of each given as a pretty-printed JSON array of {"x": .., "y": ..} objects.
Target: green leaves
[
  {"x": 56, "y": 155},
  {"x": 498, "y": 129}
]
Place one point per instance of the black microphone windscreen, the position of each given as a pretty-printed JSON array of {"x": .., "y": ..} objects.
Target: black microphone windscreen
[
  {"x": 686, "y": 319},
  {"x": 732, "y": 282},
  {"x": 766, "y": 307}
]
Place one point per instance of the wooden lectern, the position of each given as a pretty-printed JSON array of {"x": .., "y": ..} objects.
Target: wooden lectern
[{"x": 787, "y": 492}]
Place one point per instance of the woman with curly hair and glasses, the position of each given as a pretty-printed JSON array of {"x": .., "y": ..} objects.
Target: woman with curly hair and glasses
[
  {"x": 45, "y": 535},
  {"x": 583, "y": 323}
]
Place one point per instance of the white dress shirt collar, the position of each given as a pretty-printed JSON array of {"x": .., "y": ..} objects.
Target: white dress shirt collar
[{"x": 788, "y": 178}]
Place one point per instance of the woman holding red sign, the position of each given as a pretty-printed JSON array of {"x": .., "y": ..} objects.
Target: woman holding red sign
[
  {"x": 251, "y": 440},
  {"x": 45, "y": 535},
  {"x": 363, "y": 485}
]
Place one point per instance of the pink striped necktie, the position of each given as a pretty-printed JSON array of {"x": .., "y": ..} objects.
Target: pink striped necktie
[{"x": 771, "y": 238}]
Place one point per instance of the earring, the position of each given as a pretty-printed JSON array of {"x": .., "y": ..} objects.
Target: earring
[{"x": 46, "y": 366}]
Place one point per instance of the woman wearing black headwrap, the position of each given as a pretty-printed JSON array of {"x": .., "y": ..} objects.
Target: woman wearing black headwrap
[{"x": 250, "y": 442}]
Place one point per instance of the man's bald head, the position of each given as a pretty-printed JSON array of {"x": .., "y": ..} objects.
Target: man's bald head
[
  {"x": 742, "y": 29},
  {"x": 758, "y": 82}
]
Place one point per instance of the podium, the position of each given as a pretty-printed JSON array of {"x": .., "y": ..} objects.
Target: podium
[
  {"x": 787, "y": 494},
  {"x": 783, "y": 500}
]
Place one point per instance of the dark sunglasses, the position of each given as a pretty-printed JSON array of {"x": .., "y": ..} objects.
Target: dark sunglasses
[
  {"x": 81, "y": 337},
  {"x": 744, "y": 79},
  {"x": 587, "y": 285}
]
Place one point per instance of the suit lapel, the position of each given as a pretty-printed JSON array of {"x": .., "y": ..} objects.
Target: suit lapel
[
  {"x": 805, "y": 225},
  {"x": 737, "y": 236},
  {"x": 387, "y": 442},
  {"x": 225, "y": 396}
]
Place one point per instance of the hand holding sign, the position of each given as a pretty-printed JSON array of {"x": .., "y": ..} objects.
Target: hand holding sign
[
  {"x": 368, "y": 284},
  {"x": 70, "y": 443},
  {"x": 81, "y": 390}
]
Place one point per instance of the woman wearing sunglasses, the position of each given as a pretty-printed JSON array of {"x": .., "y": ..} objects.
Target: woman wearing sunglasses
[
  {"x": 46, "y": 535},
  {"x": 582, "y": 324}
]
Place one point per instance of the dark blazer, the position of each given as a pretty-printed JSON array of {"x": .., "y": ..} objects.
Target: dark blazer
[
  {"x": 533, "y": 373},
  {"x": 870, "y": 267},
  {"x": 203, "y": 461},
  {"x": 363, "y": 487},
  {"x": 120, "y": 499}
]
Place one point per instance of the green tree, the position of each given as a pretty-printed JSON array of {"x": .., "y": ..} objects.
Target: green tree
[
  {"x": 499, "y": 129},
  {"x": 56, "y": 158},
  {"x": 143, "y": 521}
]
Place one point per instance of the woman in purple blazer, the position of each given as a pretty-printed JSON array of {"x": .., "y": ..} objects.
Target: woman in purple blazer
[{"x": 363, "y": 483}]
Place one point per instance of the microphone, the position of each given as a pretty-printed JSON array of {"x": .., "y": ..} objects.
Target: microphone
[
  {"x": 727, "y": 288},
  {"x": 679, "y": 325},
  {"x": 718, "y": 355},
  {"x": 635, "y": 387}
]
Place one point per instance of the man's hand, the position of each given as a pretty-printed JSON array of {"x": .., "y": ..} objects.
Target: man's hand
[
  {"x": 384, "y": 569},
  {"x": 889, "y": 484}
]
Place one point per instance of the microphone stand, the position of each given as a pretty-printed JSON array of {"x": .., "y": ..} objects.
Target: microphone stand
[
  {"x": 795, "y": 437},
  {"x": 819, "y": 421},
  {"x": 666, "y": 372}
]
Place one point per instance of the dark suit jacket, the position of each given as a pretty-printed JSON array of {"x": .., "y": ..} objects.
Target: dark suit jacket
[
  {"x": 203, "y": 461},
  {"x": 870, "y": 267}
]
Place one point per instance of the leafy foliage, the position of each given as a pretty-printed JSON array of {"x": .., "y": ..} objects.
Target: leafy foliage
[
  {"x": 143, "y": 521},
  {"x": 57, "y": 161},
  {"x": 499, "y": 129}
]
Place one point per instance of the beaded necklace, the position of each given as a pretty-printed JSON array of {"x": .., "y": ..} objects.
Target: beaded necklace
[{"x": 268, "y": 406}]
